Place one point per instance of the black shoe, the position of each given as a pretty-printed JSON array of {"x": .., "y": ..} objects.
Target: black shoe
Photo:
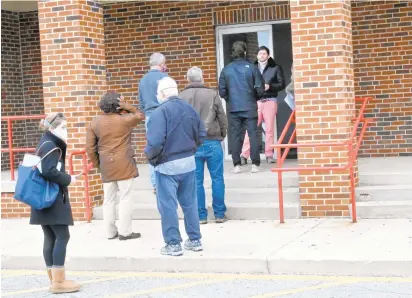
[
  {"x": 114, "y": 237},
  {"x": 222, "y": 220},
  {"x": 243, "y": 161},
  {"x": 131, "y": 236}
]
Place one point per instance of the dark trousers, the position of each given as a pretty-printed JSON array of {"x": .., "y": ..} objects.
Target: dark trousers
[
  {"x": 238, "y": 121},
  {"x": 56, "y": 238}
]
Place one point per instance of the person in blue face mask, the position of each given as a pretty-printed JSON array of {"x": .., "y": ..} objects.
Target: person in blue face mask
[{"x": 148, "y": 93}]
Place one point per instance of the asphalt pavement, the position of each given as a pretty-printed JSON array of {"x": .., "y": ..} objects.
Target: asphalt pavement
[{"x": 34, "y": 284}]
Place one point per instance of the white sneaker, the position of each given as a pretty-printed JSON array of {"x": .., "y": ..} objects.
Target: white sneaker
[
  {"x": 236, "y": 170},
  {"x": 255, "y": 169}
]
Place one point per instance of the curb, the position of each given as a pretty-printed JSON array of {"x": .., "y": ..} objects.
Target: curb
[{"x": 219, "y": 265}]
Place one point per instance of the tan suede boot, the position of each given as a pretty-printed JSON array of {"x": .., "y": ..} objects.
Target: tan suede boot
[
  {"x": 60, "y": 284},
  {"x": 49, "y": 273}
]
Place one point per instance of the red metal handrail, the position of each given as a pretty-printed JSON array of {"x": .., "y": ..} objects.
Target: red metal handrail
[
  {"x": 352, "y": 155},
  {"x": 10, "y": 149},
  {"x": 86, "y": 168}
]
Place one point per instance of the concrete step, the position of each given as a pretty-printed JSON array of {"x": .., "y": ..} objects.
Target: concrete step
[
  {"x": 235, "y": 211},
  {"x": 384, "y": 193},
  {"x": 291, "y": 194},
  {"x": 262, "y": 203},
  {"x": 234, "y": 195},
  {"x": 384, "y": 209},
  {"x": 384, "y": 178},
  {"x": 264, "y": 179}
]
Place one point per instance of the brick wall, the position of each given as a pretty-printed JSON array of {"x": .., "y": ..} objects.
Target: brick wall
[
  {"x": 382, "y": 43},
  {"x": 22, "y": 91},
  {"x": 31, "y": 73},
  {"x": 324, "y": 91},
  {"x": 11, "y": 82},
  {"x": 183, "y": 30},
  {"x": 74, "y": 77},
  {"x": 10, "y": 208}
]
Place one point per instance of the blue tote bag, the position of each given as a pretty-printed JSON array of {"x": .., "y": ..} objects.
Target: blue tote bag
[{"x": 32, "y": 189}]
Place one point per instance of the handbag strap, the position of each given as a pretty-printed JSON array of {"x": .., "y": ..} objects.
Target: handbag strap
[
  {"x": 38, "y": 150},
  {"x": 48, "y": 153}
]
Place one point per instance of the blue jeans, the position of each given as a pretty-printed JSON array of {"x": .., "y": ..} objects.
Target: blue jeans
[
  {"x": 210, "y": 152},
  {"x": 151, "y": 168},
  {"x": 171, "y": 190}
]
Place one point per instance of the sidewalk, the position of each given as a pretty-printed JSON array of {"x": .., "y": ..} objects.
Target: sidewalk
[{"x": 309, "y": 246}]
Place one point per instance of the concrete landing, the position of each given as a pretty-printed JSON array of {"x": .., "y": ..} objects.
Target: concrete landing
[{"x": 310, "y": 246}]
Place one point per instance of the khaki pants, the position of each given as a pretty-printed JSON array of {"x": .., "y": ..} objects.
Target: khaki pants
[{"x": 125, "y": 207}]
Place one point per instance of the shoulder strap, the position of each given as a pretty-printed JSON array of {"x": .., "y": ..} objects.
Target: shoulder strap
[
  {"x": 38, "y": 150},
  {"x": 48, "y": 153},
  {"x": 51, "y": 151}
]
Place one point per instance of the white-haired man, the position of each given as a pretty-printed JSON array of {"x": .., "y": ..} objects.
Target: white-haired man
[
  {"x": 174, "y": 133},
  {"x": 148, "y": 93},
  {"x": 207, "y": 103}
]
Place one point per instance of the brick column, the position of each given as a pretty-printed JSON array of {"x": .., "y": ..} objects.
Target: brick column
[
  {"x": 324, "y": 84},
  {"x": 74, "y": 76}
]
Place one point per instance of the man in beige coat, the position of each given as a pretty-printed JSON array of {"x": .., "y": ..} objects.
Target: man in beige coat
[{"x": 108, "y": 146}]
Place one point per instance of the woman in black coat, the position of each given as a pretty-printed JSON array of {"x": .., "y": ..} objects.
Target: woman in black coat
[{"x": 55, "y": 221}]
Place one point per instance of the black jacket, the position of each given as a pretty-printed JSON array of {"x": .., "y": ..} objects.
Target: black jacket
[
  {"x": 208, "y": 105},
  {"x": 241, "y": 85},
  {"x": 60, "y": 213},
  {"x": 273, "y": 76}
]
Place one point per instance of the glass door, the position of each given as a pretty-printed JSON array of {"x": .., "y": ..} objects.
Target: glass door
[{"x": 254, "y": 36}]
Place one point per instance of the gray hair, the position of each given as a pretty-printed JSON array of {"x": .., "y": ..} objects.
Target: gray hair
[
  {"x": 195, "y": 74},
  {"x": 157, "y": 59}
]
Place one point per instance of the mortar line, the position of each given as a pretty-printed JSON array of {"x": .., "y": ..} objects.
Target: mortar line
[{"x": 298, "y": 237}]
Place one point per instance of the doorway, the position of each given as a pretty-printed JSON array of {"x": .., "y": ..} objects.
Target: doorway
[{"x": 277, "y": 37}]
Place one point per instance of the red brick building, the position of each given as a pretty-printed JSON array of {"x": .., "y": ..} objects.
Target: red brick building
[{"x": 63, "y": 55}]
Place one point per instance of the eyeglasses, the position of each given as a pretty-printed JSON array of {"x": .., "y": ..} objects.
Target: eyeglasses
[{"x": 55, "y": 117}]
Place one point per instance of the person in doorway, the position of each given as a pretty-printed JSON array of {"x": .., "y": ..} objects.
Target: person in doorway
[
  {"x": 148, "y": 91},
  {"x": 291, "y": 87},
  {"x": 55, "y": 221},
  {"x": 290, "y": 91},
  {"x": 267, "y": 105},
  {"x": 241, "y": 84},
  {"x": 174, "y": 133},
  {"x": 108, "y": 145},
  {"x": 208, "y": 105}
]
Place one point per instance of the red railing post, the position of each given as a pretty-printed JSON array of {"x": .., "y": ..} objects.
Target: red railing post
[
  {"x": 85, "y": 171},
  {"x": 10, "y": 148},
  {"x": 11, "y": 153},
  {"x": 352, "y": 155},
  {"x": 352, "y": 179},
  {"x": 86, "y": 187},
  {"x": 280, "y": 190}
]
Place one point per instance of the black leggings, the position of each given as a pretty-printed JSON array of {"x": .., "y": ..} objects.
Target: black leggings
[{"x": 55, "y": 243}]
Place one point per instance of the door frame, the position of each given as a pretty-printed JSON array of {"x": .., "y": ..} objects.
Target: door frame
[{"x": 241, "y": 28}]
